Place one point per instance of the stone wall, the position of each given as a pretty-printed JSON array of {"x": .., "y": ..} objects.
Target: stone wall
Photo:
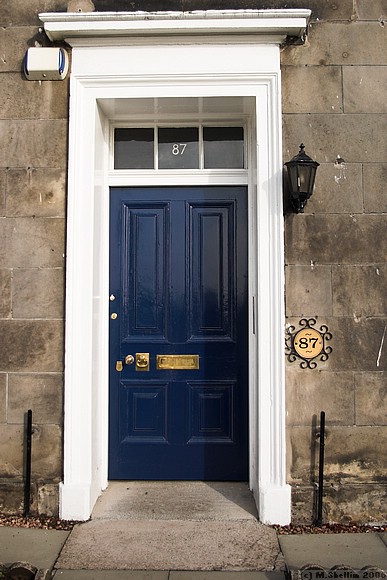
[
  {"x": 33, "y": 149},
  {"x": 334, "y": 100}
]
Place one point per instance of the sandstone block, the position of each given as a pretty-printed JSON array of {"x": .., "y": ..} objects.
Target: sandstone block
[
  {"x": 32, "y": 243},
  {"x": 340, "y": 43},
  {"x": 345, "y": 503},
  {"x": 335, "y": 239},
  {"x": 36, "y": 192},
  {"x": 330, "y": 9},
  {"x": 33, "y": 143},
  {"x": 371, "y": 398},
  {"x": 359, "y": 290},
  {"x": 375, "y": 179},
  {"x": 5, "y": 293},
  {"x": 14, "y": 41},
  {"x": 80, "y": 6},
  {"x": 3, "y": 180},
  {"x": 3, "y": 398},
  {"x": 44, "y": 393},
  {"x": 363, "y": 89},
  {"x": 309, "y": 393},
  {"x": 375, "y": 10},
  {"x": 358, "y": 344},
  {"x": 20, "y": 13},
  {"x": 308, "y": 291},
  {"x": 360, "y": 503},
  {"x": 46, "y": 451},
  {"x": 31, "y": 346},
  {"x": 352, "y": 454},
  {"x": 218, "y": 4},
  {"x": 48, "y": 500},
  {"x": 12, "y": 497},
  {"x": 338, "y": 189},
  {"x": 350, "y": 137},
  {"x": 11, "y": 451},
  {"x": 38, "y": 293},
  {"x": 23, "y": 99},
  {"x": 303, "y": 504},
  {"x": 301, "y": 84},
  {"x": 146, "y": 5}
]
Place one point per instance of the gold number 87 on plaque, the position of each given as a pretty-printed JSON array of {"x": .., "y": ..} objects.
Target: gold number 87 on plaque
[{"x": 308, "y": 343}]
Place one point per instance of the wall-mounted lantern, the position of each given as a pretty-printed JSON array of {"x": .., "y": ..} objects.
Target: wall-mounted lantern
[{"x": 301, "y": 174}]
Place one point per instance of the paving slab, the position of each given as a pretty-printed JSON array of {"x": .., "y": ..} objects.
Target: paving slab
[
  {"x": 383, "y": 537},
  {"x": 170, "y": 545},
  {"x": 163, "y": 575},
  {"x": 216, "y": 575},
  {"x": 328, "y": 550},
  {"x": 110, "y": 575},
  {"x": 38, "y": 547}
]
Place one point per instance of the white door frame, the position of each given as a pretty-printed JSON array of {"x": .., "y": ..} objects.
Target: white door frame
[{"x": 114, "y": 60}]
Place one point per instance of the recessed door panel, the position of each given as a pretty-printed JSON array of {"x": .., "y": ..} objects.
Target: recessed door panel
[
  {"x": 212, "y": 276},
  {"x": 212, "y": 412},
  {"x": 142, "y": 412},
  {"x": 144, "y": 271}
]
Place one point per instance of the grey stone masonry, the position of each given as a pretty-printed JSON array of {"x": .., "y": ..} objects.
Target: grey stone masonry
[
  {"x": 334, "y": 100},
  {"x": 33, "y": 167}
]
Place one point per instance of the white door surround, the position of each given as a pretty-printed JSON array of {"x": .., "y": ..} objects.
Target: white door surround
[{"x": 168, "y": 66}]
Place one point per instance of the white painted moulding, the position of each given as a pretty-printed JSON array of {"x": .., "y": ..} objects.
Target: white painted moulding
[{"x": 286, "y": 22}]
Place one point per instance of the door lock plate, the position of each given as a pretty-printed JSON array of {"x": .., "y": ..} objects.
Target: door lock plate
[{"x": 142, "y": 361}]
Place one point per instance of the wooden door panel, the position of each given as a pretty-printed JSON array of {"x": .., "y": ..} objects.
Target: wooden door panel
[
  {"x": 212, "y": 276},
  {"x": 144, "y": 271},
  {"x": 178, "y": 272},
  {"x": 212, "y": 415},
  {"x": 143, "y": 412}
]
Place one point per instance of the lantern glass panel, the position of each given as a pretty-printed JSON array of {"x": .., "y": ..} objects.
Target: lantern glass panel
[
  {"x": 305, "y": 173},
  {"x": 293, "y": 177}
]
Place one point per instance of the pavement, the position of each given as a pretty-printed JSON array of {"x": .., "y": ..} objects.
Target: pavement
[
  {"x": 213, "y": 536},
  {"x": 42, "y": 549}
]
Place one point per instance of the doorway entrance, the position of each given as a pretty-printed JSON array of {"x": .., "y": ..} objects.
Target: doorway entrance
[
  {"x": 138, "y": 68},
  {"x": 178, "y": 333}
]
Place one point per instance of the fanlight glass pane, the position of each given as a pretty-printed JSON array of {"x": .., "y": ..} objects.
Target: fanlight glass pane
[
  {"x": 178, "y": 148},
  {"x": 223, "y": 147},
  {"x": 134, "y": 148}
]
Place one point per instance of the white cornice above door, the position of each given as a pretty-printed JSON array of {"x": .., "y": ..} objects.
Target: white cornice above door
[{"x": 116, "y": 25}]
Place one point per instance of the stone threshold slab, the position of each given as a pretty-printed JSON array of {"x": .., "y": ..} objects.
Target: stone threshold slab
[{"x": 170, "y": 545}]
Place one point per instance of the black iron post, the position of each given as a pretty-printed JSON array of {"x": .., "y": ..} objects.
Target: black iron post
[
  {"x": 27, "y": 485},
  {"x": 321, "y": 470}
]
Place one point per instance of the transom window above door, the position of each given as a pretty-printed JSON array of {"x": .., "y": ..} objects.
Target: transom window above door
[{"x": 179, "y": 147}]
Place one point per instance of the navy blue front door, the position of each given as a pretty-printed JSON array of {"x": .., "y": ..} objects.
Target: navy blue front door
[{"x": 178, "y": 285}]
